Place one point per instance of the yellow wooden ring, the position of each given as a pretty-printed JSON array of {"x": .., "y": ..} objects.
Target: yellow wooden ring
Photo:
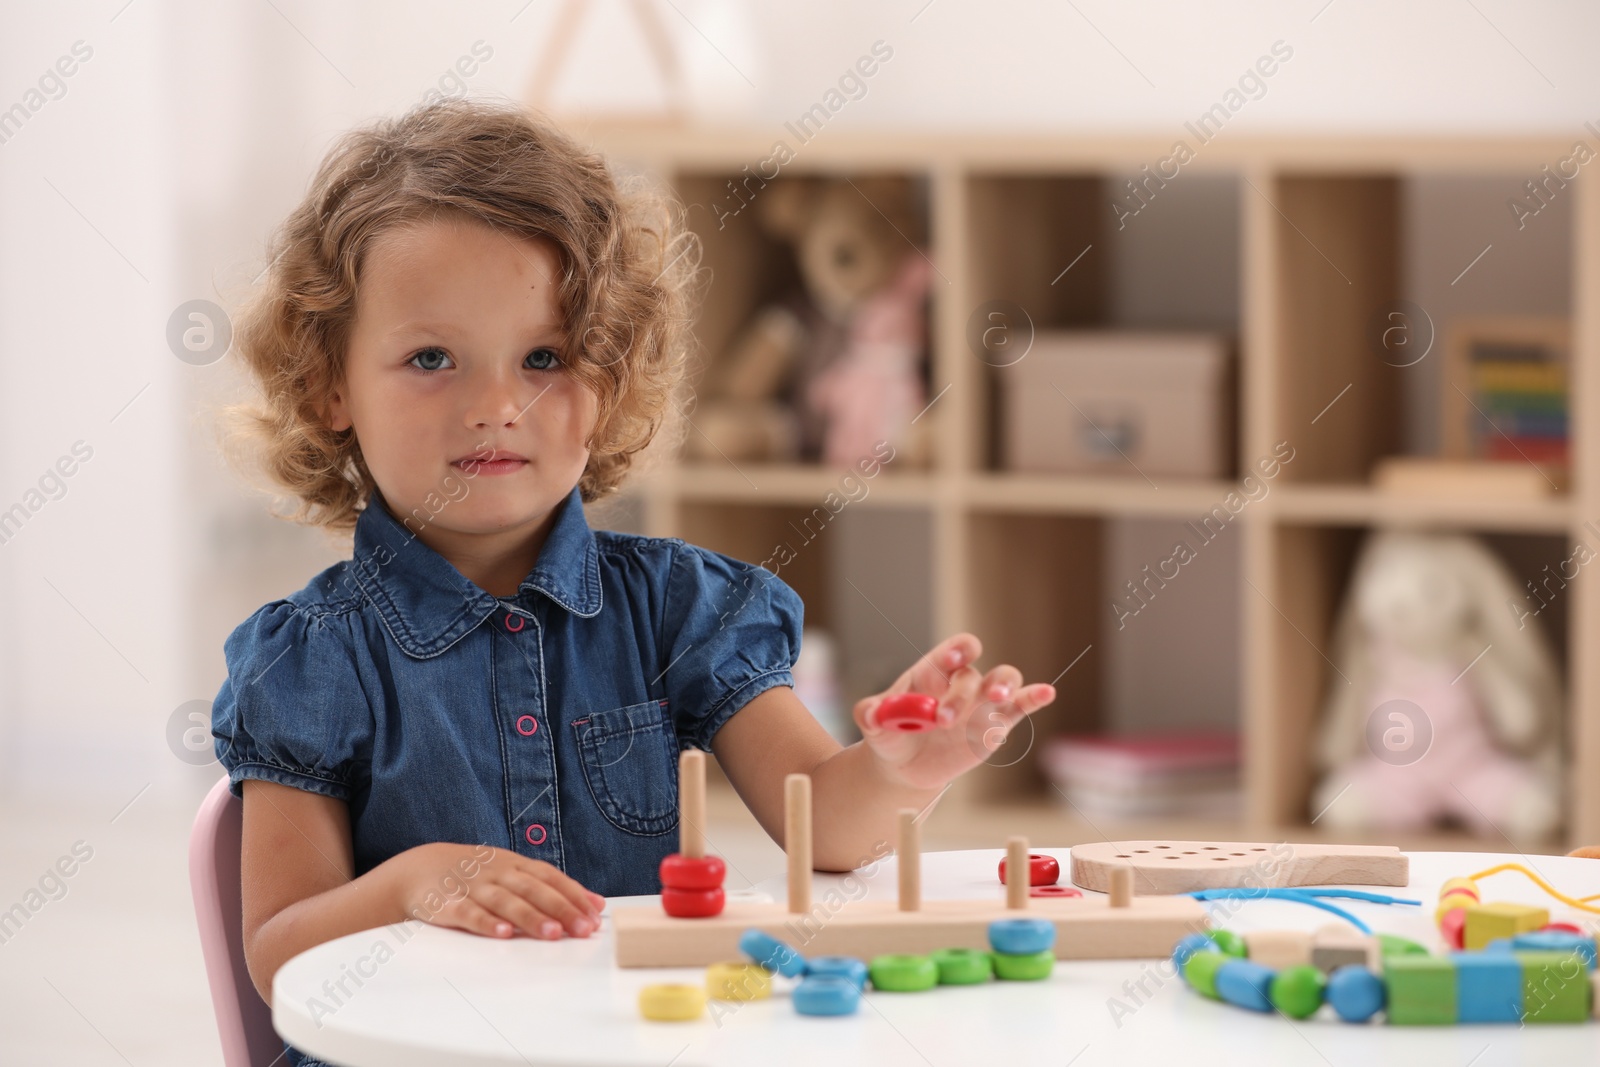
[
  {"x": 671, "y": 1002},
  {"x": 1451, "y": 903},
  {"x": 738, "y": 980}
]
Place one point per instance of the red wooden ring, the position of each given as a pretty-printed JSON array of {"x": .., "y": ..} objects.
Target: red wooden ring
[
  {"x": 687, "y": 872},
  {"x": 1042, "y": 870},
  {"x": 1453, "y": 927},
  {"x": 907, "y": 711},
  {"x": 1054, "y": 891},
  {"x": 692, "y": 903},
  {"x": 1566, "y": 928}
]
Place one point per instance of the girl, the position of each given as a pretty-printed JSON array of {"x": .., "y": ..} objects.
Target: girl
[{"x": 468, "y": 332}]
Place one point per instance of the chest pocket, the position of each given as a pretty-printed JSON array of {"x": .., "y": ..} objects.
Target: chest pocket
[{"x": 629, "y": 758}]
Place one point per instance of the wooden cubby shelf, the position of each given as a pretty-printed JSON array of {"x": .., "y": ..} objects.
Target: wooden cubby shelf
[{"x": 1293, "y": 245}]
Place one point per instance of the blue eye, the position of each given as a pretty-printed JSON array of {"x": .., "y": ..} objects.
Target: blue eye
[
  {"x": 430, "y": 356},
  {"x": 542, "y": 358}
]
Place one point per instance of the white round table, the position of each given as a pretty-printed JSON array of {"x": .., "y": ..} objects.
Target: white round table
[{"x": 415, "y": 995}]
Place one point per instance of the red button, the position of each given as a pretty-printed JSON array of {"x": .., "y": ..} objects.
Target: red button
[
  {"x": 512, "y": 617},
  {"x": 542, "y": 834},
  {"x": 527, "y": 726}
]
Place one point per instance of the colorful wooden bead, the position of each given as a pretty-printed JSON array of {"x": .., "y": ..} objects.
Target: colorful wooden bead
[
  {"x": 1422, "y": 989},
  {"x": 1188, "y": 946},
  {"x": 1450, "y": 903},
  {"x": 1557, "y": 941},
  {"x": 672, "y": 1002},
  {"x": 1011, "y": 967},
  {"x": 1488, "y": 987},
  {"x": 1355, "y": 993},
  {"x": 907, "y": 711},
  {"x": 1394, "y": 945},
  {"x": 1555, "y": 987},
  {"x": 1228, "y": 943},
  {"x": 1042, "y": 870},
  {"x": 693, "y": 872},
  {"x": 963, "y": 966},
  {"x": 1460, "y": 885},
  {"x": 738, "y": 980},
  {"x": 1566, "y": 927},
  {"x": 1278, "y": 949},
  {"x": 1022, "y": 937},
  {"x": 1054, "y": 891},
  {"x": 1337, "y": 945},
  {"x": 838, "y": 967},
  {"x": 1246, "y": 984},
  {"x": 1297, "y": 991},
  {"x": 1200, "y": 971},
  {"x": 692, "y": 903},
  {"x": 826, "y": 994},
  {"x": 1485, "y": 922},
  {"x": 1453, "y": 928},
  {"x": 903, "y": 972},
  {"x": 771, "y": 953}
]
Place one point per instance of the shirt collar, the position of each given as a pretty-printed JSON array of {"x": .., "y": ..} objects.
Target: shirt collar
[{"x": 428, "y": 605}]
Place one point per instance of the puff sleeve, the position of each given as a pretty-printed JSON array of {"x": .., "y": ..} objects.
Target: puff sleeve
[
  {"x": 292, "y": 709},
  {"x": 731, "y": 631}
]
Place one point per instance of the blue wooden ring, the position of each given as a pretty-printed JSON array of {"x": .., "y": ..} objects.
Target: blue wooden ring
[
  {"x": 1022, "y": 937},
  {"x": 838, "y": 967},
  {"x": 771, "y": 953},
  {"x": 826, "y": 994}
]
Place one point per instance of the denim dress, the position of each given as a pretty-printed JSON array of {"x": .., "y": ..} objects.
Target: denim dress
[{"x": 548, "y": 722}]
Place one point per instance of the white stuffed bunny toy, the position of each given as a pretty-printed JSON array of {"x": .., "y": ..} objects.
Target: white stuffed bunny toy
[{"x": 1444, "y": 703}]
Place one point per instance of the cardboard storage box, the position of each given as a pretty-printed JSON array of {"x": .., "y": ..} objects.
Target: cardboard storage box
[{"x": 1119, "y": 402}]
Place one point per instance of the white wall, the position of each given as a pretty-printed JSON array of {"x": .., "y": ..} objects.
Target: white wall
[{"x": 194, "y": 126}]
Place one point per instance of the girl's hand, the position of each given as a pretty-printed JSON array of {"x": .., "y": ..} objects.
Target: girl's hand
[
  {"x": 976, "y": 712},
  {"x": 493, "y": 891}
]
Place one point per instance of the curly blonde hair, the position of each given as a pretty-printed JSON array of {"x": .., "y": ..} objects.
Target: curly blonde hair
[{"x": 629, "y": 267}]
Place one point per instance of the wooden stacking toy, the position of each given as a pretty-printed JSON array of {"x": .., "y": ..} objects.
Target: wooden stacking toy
[
  {"x": 1126, "y": 927},
  {"x": 691, "y": 881}
]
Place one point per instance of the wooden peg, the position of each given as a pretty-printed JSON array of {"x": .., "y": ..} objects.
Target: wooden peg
[
  {"x": 692, "y": 803},
  {"x": 910, "y": 861},
  {"x": 1121, "y": 887},
  {"x": 797, "y": 840},
  {"x": 1017, "y": 872}
]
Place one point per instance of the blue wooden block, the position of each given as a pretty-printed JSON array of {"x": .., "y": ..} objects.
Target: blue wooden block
[
  {"x": 1246, "y": 984},
  {"x": 1556, "y": 941},
  {"x": 1488, "y": 987}
]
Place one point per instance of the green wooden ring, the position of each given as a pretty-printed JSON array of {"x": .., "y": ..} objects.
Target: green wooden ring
[
  {"x": 963, "y": 966},
  {"x": 1029, "y": 968},
  {"x": 900, "y": 972},
  {"x": 1228, "y": 942},
  {"x": 1200, "y": 971}
]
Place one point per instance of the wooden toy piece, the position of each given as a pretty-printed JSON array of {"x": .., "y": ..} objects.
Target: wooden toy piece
[
  {"x": 797, "y": 840},
  {"x": 693, "y": 872},
  {"x": 1054, "y": 891},
  {"x": 1355, "y": 993},
  {"x": 1568, "y": 927},
  {"x": 1042, "y": 870},
  {"x": 1395, "y": 945},
  {"x": 1228, "y": 943},
  {"x": 1021, "y": 937},
  {"x": 738, "y": 980},
  {"x": 909, "y": 858},
  {"x": 1337, "y": 945},
  {"x": 911, "y": 712},
  {"x": 1167, "y": 867},
  {"x": 1246, "y": 984},
  {"x": 1554, "y": 990},
  {"x": 1017, "y": 884},
  {"x": 1121, "y": 889},
  {"x": 1453, "y": 928},
  {"x": 903, "y": 972},
  {"x": 1547, "y": 940},
  {"x": 1488, "y": 987},
  {"x": 1188, "y": 946},
  {"x": 672, "y": 1002},
  {"x": 1485, "y": 922},
  {"x": 692, "y": 903},
  {"x": 826, "y": 994},
  {"x": 1278, "y": 949},
  {"x": 1031, "y": 967},
  {"x": 1200, "y": 971},
  {"x": 838, "y": 967},
  {"x": 692, "y": 804},
  {"x": 963, "y": 966},
  {"x": 1298, "y": 991},
  {"x": 1422, "y": 990},
  {"x": 1594, "y": 993}
]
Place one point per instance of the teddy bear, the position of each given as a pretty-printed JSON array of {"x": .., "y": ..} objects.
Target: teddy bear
[
  {"x": 1444, "y": 703},
  {"x": 841, "y": 362}
]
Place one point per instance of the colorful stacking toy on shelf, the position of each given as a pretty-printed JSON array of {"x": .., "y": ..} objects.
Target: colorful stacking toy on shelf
[{"x": 691, "y": 881}]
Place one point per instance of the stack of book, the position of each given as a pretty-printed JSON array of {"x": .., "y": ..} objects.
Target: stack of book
[
  {"x": 1145, "y": 775},
  {"x": 1521, "y": 396}
]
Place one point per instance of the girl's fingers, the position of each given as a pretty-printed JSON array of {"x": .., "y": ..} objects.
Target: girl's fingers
[
  {"x": 1001, "y": 683},
  {"x": 510, "y": 905},
  {"x": 932, "y": 673},
  {"x": 957, "y": 703},
  {"x": 572, "y": 891},
  {"x": 551, "y": 899},
  {"x": 474, "y": 918}
]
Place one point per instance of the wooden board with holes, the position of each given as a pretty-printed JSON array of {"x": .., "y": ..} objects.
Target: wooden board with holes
[
  {"x": 1166, "y": 867},
  {"x": 1087, "y": 928}
]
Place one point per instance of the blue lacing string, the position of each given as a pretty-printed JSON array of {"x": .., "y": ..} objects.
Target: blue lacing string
[{"x": 1306, "y": 896}]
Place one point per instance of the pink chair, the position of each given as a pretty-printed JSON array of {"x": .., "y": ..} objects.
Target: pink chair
[{"x": 243, "y": 1018}]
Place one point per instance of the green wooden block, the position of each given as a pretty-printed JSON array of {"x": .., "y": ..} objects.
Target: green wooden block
[
  {"x": 1422, "y": 990},
  {"x": 1555, "y": 987}
]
